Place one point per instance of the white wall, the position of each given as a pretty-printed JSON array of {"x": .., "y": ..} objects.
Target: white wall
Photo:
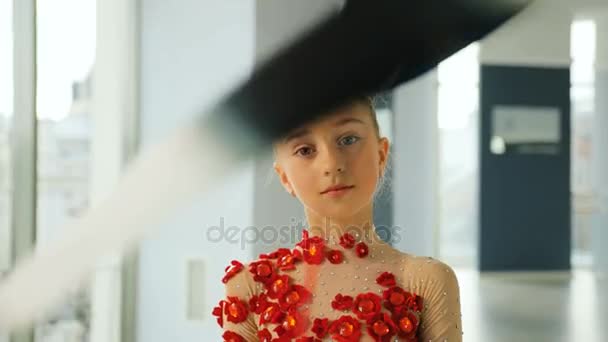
[
  {"x": 538, "y": 36},
  {"x": 192, "y": 51},
  {"x": 416, "y": 162}
]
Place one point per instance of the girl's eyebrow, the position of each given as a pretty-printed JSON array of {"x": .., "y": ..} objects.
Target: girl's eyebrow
[{"x": 303, "y": 132}]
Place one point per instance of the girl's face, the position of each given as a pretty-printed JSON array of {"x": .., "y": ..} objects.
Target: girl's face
[{"x": 343, "y": 152}]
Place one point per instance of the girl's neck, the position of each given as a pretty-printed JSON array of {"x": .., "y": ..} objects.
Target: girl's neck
[{"x": 360, "y": 226}]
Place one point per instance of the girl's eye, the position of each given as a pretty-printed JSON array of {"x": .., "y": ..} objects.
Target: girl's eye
[
  {"x": 349, "y": 140},
  {"x": 304, "y": 151}
]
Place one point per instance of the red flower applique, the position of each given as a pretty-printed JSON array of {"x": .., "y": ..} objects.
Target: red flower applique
[
  {"x": 284, "y": 338},
  {"x": 366, "y": 305},
  {"x": 407, "y": 323},
  {"x": 272, "y": 314},
  {"x": 386, "y": 279},
  {"x": 287, "y": 261},
  {"x": 361, "y": 249},
  {"x": 276, "y": 254},
  {"x": 257, "y": 304},
  {"x": 295, "y": 297},
  {"x": 335, "y": 256},
  {"x": 395, "y": 297},
  {"x": 381, "y": 327},
  {"x": 347, "y": 241},
  {"x": 307, "y": 339},
  {"x": 341, "y": 302},
  {"x": 231, "y": 270},
  {"x": 262, "y": 271},
  {"x": 345, "y": 329},
  {"x": 264, "y": 335},
  {"x": 320, "y": 327},
  {"x": 217, "y": 311},
  {"x": 312, "y": 248},
  {"x": 278, "y": 286},
  {"x": 294, "y": 324},
  {"x": 230, "y": 336},
  {"x": 414, "y": 302},
  {"x": 235, "y": 310}
]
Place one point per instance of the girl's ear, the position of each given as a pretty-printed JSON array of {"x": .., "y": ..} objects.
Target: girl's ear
[
  {"x": 383, "y": 150},
  {"x": 283, "y": 178}
]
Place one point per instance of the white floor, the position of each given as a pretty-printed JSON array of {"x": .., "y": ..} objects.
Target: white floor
[{"x": 534, "y": 307}]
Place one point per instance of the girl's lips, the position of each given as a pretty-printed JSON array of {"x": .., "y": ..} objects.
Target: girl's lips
[{"x": 338, "y": 192}]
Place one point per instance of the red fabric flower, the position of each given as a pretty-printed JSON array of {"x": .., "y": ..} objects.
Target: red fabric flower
[
  {"x": 307, "y": 339},
  {"x": 347, "y": 240},
  {"x": 277, "y": 286},
  {"x": 231, "y": 270},
  {"x": 361, "y": 249},
  {"x": 335, "y": 256},
  {"x": 414, "y": 302},
  {"x": 381, "y": 327},
  {"x": 287, "y": 261},
  {"x": 231, "y": 336},
  {"x": 312, "y": 248},
  {"x": 395, "y": 297},
  {"x": 406, "y": 322},
  {"x": 235, "y": 310},
  {"x": 257, "y": 304},
  {"x": 295, "y": 297},
  {"x": 366, "y": 305},
  {"x": 263, "y": 271},
  {"x": 320, "y": 327},
  {"x": 285, "y": 338},
  {"x": 345, "y": 329},
  {"x": 341, "y": 302},
  {"x": 276, "y": 254},
  {"x": 294, "y": 324},
  {"x": 272, "y": 314},
  {"x": 386, "y": 279},
  {"x": 264, "y": 335},
  {"x": 217, "y": 311}
]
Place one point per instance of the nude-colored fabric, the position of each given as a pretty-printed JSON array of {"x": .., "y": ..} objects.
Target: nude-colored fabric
[{"x": 431, "y": 279}]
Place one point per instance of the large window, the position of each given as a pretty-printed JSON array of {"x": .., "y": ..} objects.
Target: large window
[
  {"x": 458, "y": 113},
  {"x": 6, "y": 113},
  {"x": 582, "y": 95},
  {"x": 65, "y": 56}
]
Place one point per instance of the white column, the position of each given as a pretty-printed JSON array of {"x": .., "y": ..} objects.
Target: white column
[
  {"x": 416, "y": 165},
  {"x": 600, "y": 146},
  {"x": 114, "y": 113}
]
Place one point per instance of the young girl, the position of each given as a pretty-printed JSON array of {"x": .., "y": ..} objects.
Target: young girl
[{"x": 341, "y": 282}]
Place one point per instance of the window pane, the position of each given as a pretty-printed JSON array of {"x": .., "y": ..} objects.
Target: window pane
[
  {"x": 582, "y": 96},
  {"x": 458, "y": 116},
  {"x": 583, "y": 118},
  {"x": 6, "y": 110},
  {"x": 458, "y": 173},
  {"x": 66, "y": 52},
  {"x": 462, "y": 68}
]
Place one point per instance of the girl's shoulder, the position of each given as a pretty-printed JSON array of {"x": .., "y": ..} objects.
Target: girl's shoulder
[{"x": 426, "y": 267}]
